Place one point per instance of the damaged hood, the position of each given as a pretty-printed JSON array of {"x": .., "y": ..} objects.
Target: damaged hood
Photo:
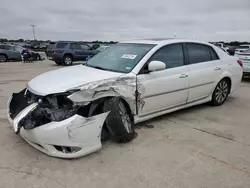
[{"x": 61, "y": 80}]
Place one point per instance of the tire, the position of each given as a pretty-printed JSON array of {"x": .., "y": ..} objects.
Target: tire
[
  {"x": 58, "y": 62},
  {"x": 221, "y": 92},
  {"x": 119, "y": 121},
  {"x": 67, "y": 60},
  {"x": 243, "y": 76},
  {"x": 38, "y": 58},
  {"x": 3, "y": 58}
]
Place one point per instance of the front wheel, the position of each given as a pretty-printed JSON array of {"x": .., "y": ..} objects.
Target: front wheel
[
  {"x": 3, "y": 58},
  {"x": 119, "y": 121},
  {"x": 68, "y": 60},
  {"x": 221, "y": 92}
]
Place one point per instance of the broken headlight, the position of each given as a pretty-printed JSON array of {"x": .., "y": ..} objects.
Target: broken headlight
[{"x": 55, "y": 107}]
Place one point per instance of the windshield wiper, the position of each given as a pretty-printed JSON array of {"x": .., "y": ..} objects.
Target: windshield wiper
[{"x": 98, "y": 67}]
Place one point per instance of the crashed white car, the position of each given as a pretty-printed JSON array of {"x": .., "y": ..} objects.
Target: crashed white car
[{"x": 67, "y": 112}]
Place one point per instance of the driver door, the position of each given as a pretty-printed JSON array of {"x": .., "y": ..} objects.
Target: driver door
[{"x": 165, "y": 89}]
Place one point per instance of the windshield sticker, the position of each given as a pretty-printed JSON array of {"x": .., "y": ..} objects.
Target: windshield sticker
[
  {"x": 128, "y": 68},
  {"x": 129, "y": 56}
]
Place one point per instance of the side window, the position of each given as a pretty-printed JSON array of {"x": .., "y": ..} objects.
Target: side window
[
  {"x": 214, "y": 55},
  {"x": 75, "y": 46},
  {"x": 61, "y": 45},
  {"x": 198, "y": 53},
  {"x": 171, "y": 55},
  {"x": 6, "y": 47},
  {"x": 85, "y": 47},
  {"x": 18, "y": 48}
]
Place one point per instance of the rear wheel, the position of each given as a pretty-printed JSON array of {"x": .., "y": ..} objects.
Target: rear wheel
[
  {"x": 221, "y": 92},
  {"x": 67, "y": 60},
  {"x": 3, "y": 58},
  {"x": 119, "y": 121}
]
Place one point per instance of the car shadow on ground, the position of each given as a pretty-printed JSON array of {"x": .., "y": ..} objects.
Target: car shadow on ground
[
  {"x": 181, "y": 112},
  {"x": 75, "y": 63},
  {"x": 246, "y": 79}
]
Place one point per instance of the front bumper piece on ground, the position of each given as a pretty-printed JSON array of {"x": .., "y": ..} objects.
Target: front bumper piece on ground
[{"x": 71, "y": 138}]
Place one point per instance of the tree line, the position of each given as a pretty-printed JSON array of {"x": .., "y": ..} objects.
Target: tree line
[
  {"x": 232, "y": 43},
  {"x": 2, "y": 40}
]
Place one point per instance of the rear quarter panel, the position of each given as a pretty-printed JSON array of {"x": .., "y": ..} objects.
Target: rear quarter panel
[{"x": 234, "y": 71}]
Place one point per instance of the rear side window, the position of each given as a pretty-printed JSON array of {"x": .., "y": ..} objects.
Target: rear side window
[
  {"x": 61, "y": 45},
  {"x": 75, "y": 46},
  {"x": 198, "y": 53},
  {"x": 171, "y": 55},
  {"x": 6, "y": 47},
  {"x": 214, "y": 55}
]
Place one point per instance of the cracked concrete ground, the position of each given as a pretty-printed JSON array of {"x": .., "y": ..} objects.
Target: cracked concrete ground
[{"x": 198, "y": 147}]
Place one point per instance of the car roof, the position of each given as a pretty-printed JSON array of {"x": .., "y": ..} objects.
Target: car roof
[{"x": 164, "y": 41}]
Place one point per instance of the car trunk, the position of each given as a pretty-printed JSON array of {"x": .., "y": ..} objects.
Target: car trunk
[{"x": 244, "y": 57}]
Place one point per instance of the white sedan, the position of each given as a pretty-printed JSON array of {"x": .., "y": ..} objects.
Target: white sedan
[
  {"x": 245, "y": 58},
  {"x": 69, "y": 112}
]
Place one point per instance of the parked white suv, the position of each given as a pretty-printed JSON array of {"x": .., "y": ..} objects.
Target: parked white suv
[{"x": 68, "y": 112}]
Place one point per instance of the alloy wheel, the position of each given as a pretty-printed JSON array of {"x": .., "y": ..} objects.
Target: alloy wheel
[
  {"x": 221, "y": 91},
  {"x": 68, "y": 61},
  {"x": 125, "y": 117},
  {"x": 2, "y": 58}
]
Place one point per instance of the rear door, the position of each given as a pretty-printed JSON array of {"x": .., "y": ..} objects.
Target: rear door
[
  {"x": 12, "y": 52},
  {"x": 77, "y": 50},
  {"x": 205, "y": 69}
]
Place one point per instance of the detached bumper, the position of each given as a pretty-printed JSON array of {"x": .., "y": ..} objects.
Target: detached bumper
[{"x": 71, "y": 138}]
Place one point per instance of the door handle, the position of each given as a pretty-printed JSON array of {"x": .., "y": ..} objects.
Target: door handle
[
  {"x": 183, "y": 76},
  {"x": 217, "y": 68}
]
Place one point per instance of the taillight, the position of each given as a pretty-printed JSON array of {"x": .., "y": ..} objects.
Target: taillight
[{"x": 240, "y": 63}]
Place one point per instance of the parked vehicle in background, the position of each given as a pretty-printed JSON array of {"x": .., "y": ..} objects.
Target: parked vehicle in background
[
  {"x": 245, "y": 59},
  {"x": 13, "y": 52},
  {"x": 66, "y": 112},
  {"x": 34, "y": 55},
  {"x": 222, "y": 46},
  {"x": 95, "y": 46},
  {"x": 231, "y": 49},
  {"x": 9, "y": 52},
  {"x": 102, "y": 48},
  {"x": 242, "y": 48},
  {"x": 65, "y": 53}
]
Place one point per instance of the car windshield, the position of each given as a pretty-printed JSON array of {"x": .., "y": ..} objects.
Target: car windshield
[{"x": 122, "y": 57}]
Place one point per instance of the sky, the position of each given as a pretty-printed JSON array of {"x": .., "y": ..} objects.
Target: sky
[{"x": 208, "y": 20}]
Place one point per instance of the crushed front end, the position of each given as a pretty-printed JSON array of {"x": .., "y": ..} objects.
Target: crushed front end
[{"x": 54, "y": 124}]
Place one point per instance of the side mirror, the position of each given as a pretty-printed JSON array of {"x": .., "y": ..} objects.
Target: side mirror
[{"x": 156, "y": 66}]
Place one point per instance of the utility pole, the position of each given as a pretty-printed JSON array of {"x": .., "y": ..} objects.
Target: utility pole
[{"x": 33, "y": 29}]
